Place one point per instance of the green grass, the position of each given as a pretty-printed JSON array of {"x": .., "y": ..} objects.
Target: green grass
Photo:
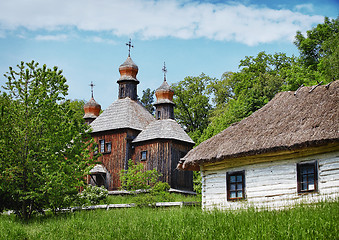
[
  {"x": 169, "y": 197},
  {"x": 319, "y": 221}
]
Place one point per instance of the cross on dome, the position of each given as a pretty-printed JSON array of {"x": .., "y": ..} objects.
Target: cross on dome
[
  {"x": 164, "y": 69},
  {"x": 92, "y": 85},
  {"x": 129, "y": 44}
]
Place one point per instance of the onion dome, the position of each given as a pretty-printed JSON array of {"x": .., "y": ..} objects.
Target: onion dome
[
  {"x": 128, "y": 71},
  {"x": 164, "y": 93},
  {"x": 92, "y": 110}
]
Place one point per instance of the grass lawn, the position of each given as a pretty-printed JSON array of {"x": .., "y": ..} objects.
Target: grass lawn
[{"x": 318, "y": 221}]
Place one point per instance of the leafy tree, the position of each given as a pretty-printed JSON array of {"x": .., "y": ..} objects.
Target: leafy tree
[
  {"x": 319, "y": 49},
  {"x": 44, "y": 148},
  {"x": 192, "y": 104},
  {"x": 78, "y": 107},
  {"x": 147, "y": 100},
  {"x": 237, "y": 95}
]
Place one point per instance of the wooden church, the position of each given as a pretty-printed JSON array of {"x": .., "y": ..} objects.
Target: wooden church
[{"x": 126, "y": 130}]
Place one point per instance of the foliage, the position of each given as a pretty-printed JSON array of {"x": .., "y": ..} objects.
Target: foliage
[
  {"x": 44, "y": 148},
  {"x": 192, "y": 104},
  {"x": 147, "y": 100},
  {"x": 320, "y": 43},
  {"x": 160, "y": 187},
  {"x": 318, "y": 221},
  {"x": 237, "y": 95},
  {"x": 78, "y": 107},
  {"x": 135, "y": 177},
  {"x": 92, "y": 195},
  {"x": 197, "y": 182}
]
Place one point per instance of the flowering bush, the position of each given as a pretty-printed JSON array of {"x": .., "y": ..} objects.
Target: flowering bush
[{"x": 92, "y": 195}]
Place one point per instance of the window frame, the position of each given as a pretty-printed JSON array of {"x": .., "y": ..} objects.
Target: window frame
[
  {"x": 141, "y": 155},
  {"x": 312, "y": 165},
  {"x": 108, "y": 149},
  {"x": 228, "y": 185},
  {"x": 102, "y": 145}
]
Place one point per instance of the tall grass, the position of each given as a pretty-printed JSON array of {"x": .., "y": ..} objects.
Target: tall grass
[
  {"x": 168, "y": 197},
  {"x": 319, "y": 221}
]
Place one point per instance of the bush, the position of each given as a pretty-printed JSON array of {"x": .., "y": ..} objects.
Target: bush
[
  {"x": 161, "y": 187},
  {"x": 135, "y": 177},
  {"x": 92, "y": 195}
]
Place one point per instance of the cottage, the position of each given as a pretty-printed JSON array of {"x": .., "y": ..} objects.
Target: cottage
[
  {"x": 126, "y": 130},
  {"x": 284, "y": 153}
]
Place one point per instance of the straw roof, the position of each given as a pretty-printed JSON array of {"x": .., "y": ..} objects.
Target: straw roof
[
  {"x": 290, "y": 121},
  {"x": 123, "y": 113},
  {"x": 163, "y": 129}
]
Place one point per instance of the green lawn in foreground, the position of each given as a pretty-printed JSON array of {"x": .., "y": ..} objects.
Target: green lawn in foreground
[{"x": 319, "y": 221}]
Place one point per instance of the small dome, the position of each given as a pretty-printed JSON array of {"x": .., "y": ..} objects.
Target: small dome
[
  {"x": 128, "y": 71},
  {"x": 129, "y": 63},
  {"x": 92, "y": 109},
  {"x": 164, "y": 93}
]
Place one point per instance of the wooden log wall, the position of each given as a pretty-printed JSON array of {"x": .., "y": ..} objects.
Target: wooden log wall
[
  {"x": 115, "y": 160},
  {"x": 271, "y": 184},
  {"x": 182, "y": 180},
  {"x": 164, "y": 155}
]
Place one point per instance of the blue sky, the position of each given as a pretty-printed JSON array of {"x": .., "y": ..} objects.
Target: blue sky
[{"x": 86, "y": 38}]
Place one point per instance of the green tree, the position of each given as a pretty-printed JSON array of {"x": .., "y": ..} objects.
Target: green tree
[
  {"x": 192, "y": 104},
  {"x": 237, "y": 95},
  {"x": 319, "y": 48},
  {"x": 147, "y": 100},
  {"x": 45, "y": 149},
  {"x": 78, "y": 107}
]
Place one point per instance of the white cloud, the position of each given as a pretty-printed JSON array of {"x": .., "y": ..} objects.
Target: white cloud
[
  {"x": 304, "y": 7},
  {"x": 97, "y": 39},
  {"x": 59, "y": 37},
  {"x": 147, "y": 19}
]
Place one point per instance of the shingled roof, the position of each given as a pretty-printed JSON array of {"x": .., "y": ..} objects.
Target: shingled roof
[
  {"x": 123, "y": 113},
  {"x": 290, "y": 121},
  {"x": 163, "y": 129}
]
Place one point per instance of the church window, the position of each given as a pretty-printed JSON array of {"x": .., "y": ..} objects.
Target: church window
[
  {"x": 143, "y": 155},
  {"x": 108, "y": 147},
  {"x": 102, "y": 145}
]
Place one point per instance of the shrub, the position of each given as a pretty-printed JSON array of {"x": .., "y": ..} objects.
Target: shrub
[
  {"x": 92, "y": 195},
  {"x": 135, "y": 177},
  {"x": 161, "y": 187}
]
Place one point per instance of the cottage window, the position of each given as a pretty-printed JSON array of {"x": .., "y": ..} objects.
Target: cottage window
[
  {"x": 235, "y": 185},
  {"x": 307, "y": 177},
  {"x": 143, "y": 155},
  {"x": 108, "y": 147},
  {"x": 102, "y": 145}
]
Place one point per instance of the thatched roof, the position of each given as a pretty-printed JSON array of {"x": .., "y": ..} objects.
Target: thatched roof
[
  {"x": 123, "y": 113},
  {"x": 163, "y": 129},
  {"x": 289, "y": 121}
]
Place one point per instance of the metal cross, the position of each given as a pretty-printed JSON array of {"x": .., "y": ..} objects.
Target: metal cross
[
  {"x": 92, "y": 85},
  {"x": 164, "y": 69},
  {"x": 129, "y": 44}
]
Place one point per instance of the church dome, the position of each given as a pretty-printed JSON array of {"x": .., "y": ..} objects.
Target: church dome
[
  {"x": 164, "y": 93},
  {"x": 128, "y": 70},
  {"x": 92, "y": 109}
]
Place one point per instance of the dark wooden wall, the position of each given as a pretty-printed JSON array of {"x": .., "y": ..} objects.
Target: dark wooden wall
[
  {"x": 164, "y": 156},
  {"x": 115, "y": 160}
]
